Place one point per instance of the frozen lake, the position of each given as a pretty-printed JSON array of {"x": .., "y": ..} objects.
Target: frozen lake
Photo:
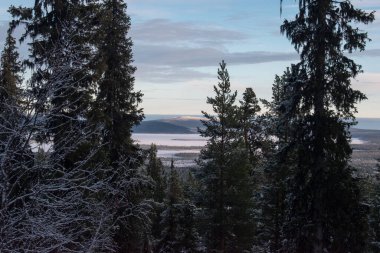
[
  {"x": 183, "y": 140},
  {"x": 187, "y": 142},
  {"x": 175, "y": 140},
  {"x": 171, "y": 140},
  {"x": 357, "y": 141},
  {"x": 169, "y": 153}
]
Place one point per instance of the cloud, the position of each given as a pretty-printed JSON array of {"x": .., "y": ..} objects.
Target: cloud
[
  {"x": 203, "y": 56},
  {"x": 164, "y": 31},
  {"x": 370, "y": 79},
  {"x": 170, "y": 52},
  {"x": 367, "y": 53},
  {"x": 165, "y": 64},
  {"x": 366, "y": 3},
  {"x": 166, "y": 74}
]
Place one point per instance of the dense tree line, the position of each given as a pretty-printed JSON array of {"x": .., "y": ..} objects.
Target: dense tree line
[{"x": 279, "y": 180}]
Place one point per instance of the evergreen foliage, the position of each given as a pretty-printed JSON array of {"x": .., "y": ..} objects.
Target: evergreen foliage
[
  {"x": 10, "y": 87},
  {"x": 11, "y": 70},
  {"x": 117, "y": 110},
  {"x": 16, "y": 158},
  {"x": 155, "y": 170},
  {"x": 66, "y": 194},
  {"x": 178, "y": 230},
  {"x": 374, "y": 220},
  {"x": 52, "y": 25},
  {"x": 224, "y": 174},
  {"x": 323, "y": 201},
  {"x": 72, "y": 179},
  {"x": 271, "y": 200},
  {"x": 249, "y": 109},
  {"x": 116, "y": 102},
  {"x": 90, "y": 25}
]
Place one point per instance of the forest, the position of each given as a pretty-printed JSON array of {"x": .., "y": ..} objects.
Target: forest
[{"x": 274, "y": 177}]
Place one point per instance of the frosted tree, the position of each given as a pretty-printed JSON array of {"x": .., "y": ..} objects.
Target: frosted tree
[
  {"x": 16, "y": 158},
  {"x": 61, "y": 200},
  {"x": 117, "y": 110},
  {"x": 178, "y": 232},
  {"x": 67, "y": 211},
  {"x": 270, "y": 199},
  {"x": 155, "y": 170},
  {"x": 106, "y": 75},
  {"x": 374, "y": 219}
]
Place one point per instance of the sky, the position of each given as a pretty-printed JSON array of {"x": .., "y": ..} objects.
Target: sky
[{"x": 178, "y": 45}]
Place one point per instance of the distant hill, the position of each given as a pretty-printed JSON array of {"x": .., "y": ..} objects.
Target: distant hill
[
  {"x": 366, "y": 135},
  {"x": 159, "y": 127},
  {"x": 189, "y": 122},
  {"x": 177, "y": 125}
]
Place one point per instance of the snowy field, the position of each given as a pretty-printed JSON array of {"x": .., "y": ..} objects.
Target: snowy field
[
  {"x": 174, "y": 140},
  {"x": 357, "y": 141},
  {"x": 185, "y": 140},
  {"x": 185, "y": 148},
  {"x": 182, "y": 148}
]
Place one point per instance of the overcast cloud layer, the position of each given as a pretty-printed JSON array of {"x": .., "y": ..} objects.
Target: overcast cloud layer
[
  {"x": 179, "y": 43},
  {"x": 165, "y": 50}
]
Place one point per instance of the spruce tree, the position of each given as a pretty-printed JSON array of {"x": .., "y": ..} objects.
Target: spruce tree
[
  {"x": 72, "y": 187},
  {"x": 178, "y": 233},
  {"x": 98, "y": 65},
  {"x": 117, "y": 103},
  {"x": 224, "y": 174},
  {"x": 170, "y": 241},
  {"x": 191, "y": 240},
  {"x": 323, "y": 203},
  {"x": 16, "y": 157},
  {"x": 270, "y": 198},
  {"x": 116, "y": 109},
  {"x": 249, "y": 109},
  {"x": 155, "y": 170},
  {"x": 69, "y": 211},
  {"x": 48, "y": 23},
  {"x": 374, "y": 220},
  {"x": 10, "y": 73},
  {"x": 10, "y": 83}
]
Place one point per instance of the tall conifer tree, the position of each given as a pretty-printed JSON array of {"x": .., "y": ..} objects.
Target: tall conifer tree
[
  {"x": 178, "y": 233},
  {"x": 272, "y": 194},
  {"x": 170, "y": 240},
  {"x": 48, "y": 24},
  {"x": 224, "y": 174},
  {"x": 117, "y": 103},
  {"x": 72, "y": 187},
  {"x": 249, "y": 109},
  {"x": 10, "y": 91},
  {"x": 10, "y": 72},
  {"x": 155, "y": 170},
  {"x": 117, "y": 109},
  {"x": 324, "y": 212},
  {"x": 16, "y": 158}
]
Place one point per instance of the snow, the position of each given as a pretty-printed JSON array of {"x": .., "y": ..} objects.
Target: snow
[
  {"x": 171, "y": 153},
  {"x": 175, "y": 140},
  {"x": 357, "y": 141}
]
